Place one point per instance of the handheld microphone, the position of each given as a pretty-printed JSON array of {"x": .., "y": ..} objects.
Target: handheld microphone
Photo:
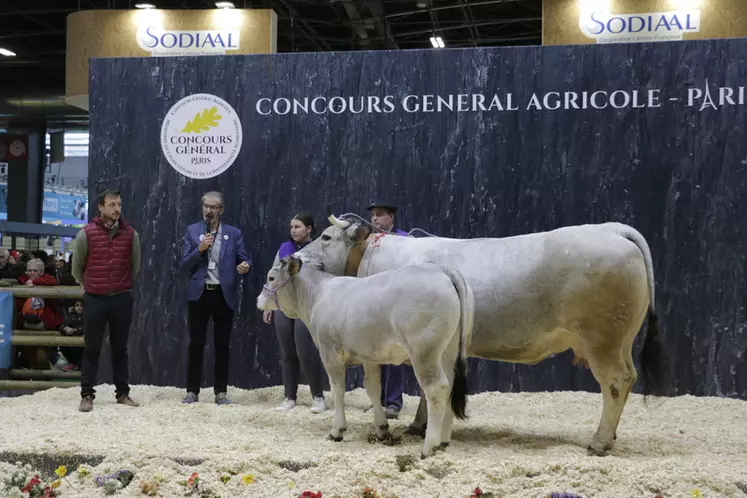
[{"x": 207, "y": 230}]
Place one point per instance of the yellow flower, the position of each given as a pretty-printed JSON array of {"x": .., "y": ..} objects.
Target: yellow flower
[
  {"x": 697, "y": 493},
  {"x": 83, "y": 471},
  {"x": 248, "y": 479},
  {"x": 291, "y": 485},
  {"x": 56, "y": 484},
  {"x": 61, "y": 471}
]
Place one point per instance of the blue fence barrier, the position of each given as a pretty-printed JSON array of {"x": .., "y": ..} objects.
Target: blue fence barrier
[{"x": 6, "y": 329}]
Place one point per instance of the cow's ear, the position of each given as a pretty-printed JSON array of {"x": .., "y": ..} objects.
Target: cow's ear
[
  {"x": 294, "y": 265},
  {"x": 362, "y": 232},
  {"x": 284, "y": 261}
]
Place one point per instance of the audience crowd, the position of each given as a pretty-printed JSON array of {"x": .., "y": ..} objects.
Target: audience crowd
[{"x": 38, "y": 268}]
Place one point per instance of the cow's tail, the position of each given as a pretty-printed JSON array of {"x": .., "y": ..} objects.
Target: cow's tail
[
  {"x": 654, "y": 360},
  {"x": 460, "y": 385}
]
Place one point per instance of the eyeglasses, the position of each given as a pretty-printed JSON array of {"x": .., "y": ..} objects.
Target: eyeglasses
[{"x": 211, "y": 208}]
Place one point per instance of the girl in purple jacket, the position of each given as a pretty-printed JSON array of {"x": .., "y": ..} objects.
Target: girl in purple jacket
[{"x": 296, "y": 344}]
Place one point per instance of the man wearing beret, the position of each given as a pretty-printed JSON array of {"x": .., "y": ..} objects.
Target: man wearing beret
[{"x": 392, "y": 376}]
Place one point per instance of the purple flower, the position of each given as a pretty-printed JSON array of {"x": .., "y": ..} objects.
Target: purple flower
[{"x": 565, "y": 495}]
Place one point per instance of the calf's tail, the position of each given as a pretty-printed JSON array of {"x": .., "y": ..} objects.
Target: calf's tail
[
  {"x": 460, "y": 385},
  {"x": 654, "y": 360}
]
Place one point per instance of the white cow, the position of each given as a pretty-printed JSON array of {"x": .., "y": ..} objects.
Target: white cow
[
  {"x": 407, "y": 315},
  {"x": 585, "y": 288}
]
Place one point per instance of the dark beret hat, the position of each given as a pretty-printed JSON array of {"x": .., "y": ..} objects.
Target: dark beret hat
[{"x": 384, "y": 205}]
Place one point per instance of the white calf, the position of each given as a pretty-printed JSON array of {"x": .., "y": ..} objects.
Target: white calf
[{"x": 409, "y": 314}]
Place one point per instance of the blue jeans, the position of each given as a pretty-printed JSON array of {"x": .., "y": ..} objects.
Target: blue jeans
[{"x": 392, "y": 385}]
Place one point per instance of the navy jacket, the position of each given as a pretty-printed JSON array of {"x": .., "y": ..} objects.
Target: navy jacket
[{"x": 232, "y": 252}]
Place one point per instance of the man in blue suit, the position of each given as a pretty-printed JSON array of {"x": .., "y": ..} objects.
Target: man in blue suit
[{"x": 214, "y": 255}]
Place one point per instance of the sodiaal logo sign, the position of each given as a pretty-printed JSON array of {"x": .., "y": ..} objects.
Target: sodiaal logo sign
[
  {"x": 201, "y": 136},
  {"x": 657, "y": 26},
  {"x": 159, "y": 41}
]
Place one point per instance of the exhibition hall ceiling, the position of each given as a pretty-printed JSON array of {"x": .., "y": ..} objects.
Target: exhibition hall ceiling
[{"x": 34, "y": 30}]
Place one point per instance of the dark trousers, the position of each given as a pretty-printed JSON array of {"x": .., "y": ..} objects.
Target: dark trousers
[
  {"x": 211, "y": 304},
  {"x": 299, "y": 352},
  {"x": 392, "y": 385},
  {"x": 98, "y": 312}
]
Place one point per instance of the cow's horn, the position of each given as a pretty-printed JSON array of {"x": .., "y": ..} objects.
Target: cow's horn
[{"x": 338, "y": 223}]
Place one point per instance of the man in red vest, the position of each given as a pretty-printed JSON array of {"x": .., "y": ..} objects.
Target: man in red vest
[{"x": 107, "y": 259}]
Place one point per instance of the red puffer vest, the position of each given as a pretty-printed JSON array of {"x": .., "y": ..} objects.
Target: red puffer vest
[{"x": 109, "y": 261}]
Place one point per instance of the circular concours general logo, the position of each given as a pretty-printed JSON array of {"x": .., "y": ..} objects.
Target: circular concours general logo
[{"x": 201, "y": 136}]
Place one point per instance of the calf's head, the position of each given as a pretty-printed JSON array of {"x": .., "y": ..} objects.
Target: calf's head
[
  {"x": 332, "y": 248},
  {"x": 277, "y": 293}
]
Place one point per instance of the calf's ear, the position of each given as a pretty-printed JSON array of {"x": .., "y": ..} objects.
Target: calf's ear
[{"x": 294, "y": 266}]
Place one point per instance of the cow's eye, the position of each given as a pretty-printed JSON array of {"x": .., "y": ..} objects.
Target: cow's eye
[
  {"x": 271, "y": 279},
  {"x": 326, "y": 237}
]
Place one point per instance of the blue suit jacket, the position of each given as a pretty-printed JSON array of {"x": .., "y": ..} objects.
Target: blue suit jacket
[{"x": 232, "y": 252}]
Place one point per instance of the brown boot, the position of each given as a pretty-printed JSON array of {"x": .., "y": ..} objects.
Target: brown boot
[
  {"x": 126, "y": 400},
  {"x": 86, "y": 404}
]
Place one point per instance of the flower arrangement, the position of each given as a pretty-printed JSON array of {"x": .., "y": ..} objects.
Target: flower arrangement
[
  {"x": 151, "y": 488},
  {"x": 310, "y": 494},
  {"x": 113, "y": 483},
  {"x": 83, "y": 471},
  {"x": 21, "y": 484},
  {"x": 194, "y": 487},
  {"x": 370, "y": 493}
]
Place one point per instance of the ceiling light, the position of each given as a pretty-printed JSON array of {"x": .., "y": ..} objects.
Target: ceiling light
[
  {"x": 437, "y": 42},
  {"x": 224, "y": 5},
  {"x": 144, "y": 6},
  {"x": 7, "y": 53},
  {"x": 421, "y": 5}
]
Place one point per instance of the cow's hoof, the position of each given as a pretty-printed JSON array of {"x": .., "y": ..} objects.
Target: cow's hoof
[
  {"x": 598, "y": 450},
  {"x": 443, "y": 446},
  {"x": 336, "y": 439},
  {"x": 382, "y": 434},
  {"x": 415, "y": 431},
  {"x": 422, "y": 456}
]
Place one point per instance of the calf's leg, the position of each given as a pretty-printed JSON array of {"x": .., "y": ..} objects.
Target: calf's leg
[
  {"x": 372, "y": 384},
  {"x": 615, "y": 379},
  {"x": 435, "y": 383},
  {"x": 448, "y": 362},
  {"x": 336, "y": 372}
]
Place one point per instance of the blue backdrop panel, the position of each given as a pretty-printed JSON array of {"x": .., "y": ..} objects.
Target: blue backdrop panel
[
  {"x": 667, "y": 155},
  {"x": 6, "y": 329}
]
